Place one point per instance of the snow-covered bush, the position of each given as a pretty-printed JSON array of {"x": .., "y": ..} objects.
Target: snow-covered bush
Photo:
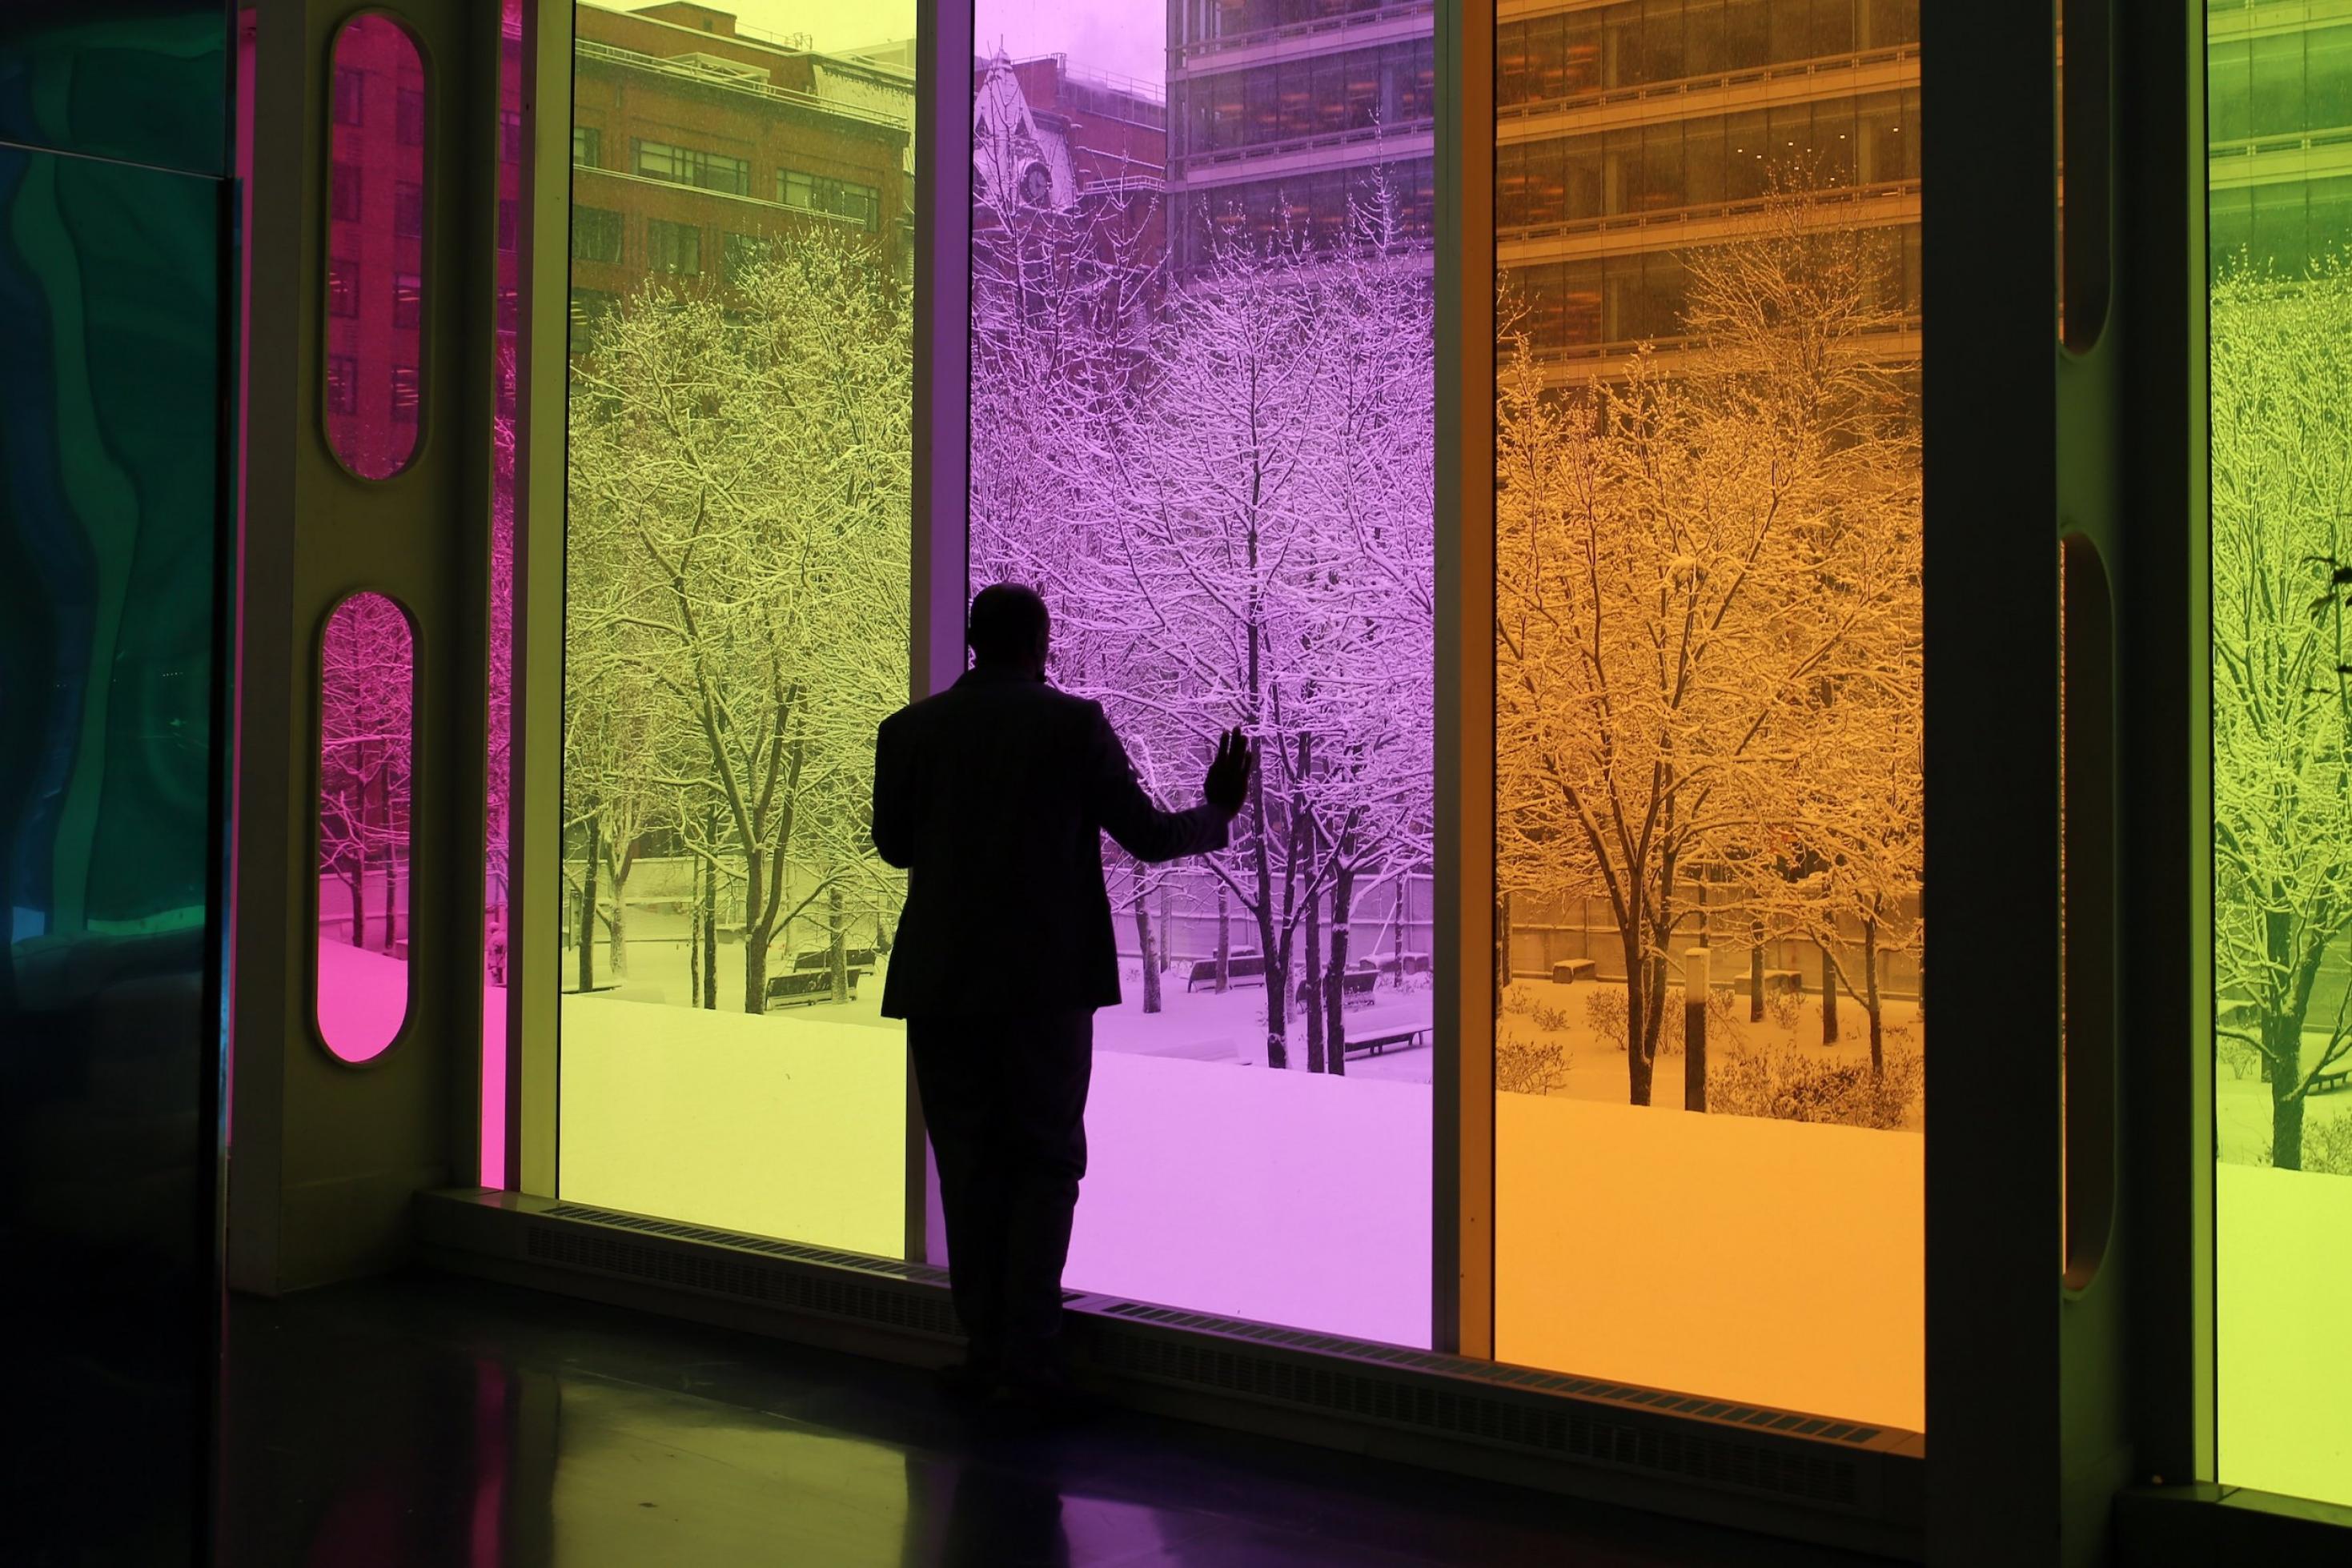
[
  {"x": 1792, "y": 1085},
  {"x": 1529, "y": 1067}
]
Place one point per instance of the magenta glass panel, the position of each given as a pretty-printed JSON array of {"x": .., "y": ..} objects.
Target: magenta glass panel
[
  {"x": 372, "y": 382},
  {"x": 1202, "y": 426},
  {"x": 506, "y": 273},
  {"x": 367, "y": 682}
]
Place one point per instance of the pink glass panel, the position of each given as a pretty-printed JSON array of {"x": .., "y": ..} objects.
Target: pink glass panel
[
  {"x": 378, "y": 117},
  {"x": 367, "y": 683},
  {"x": 499, "y": 769}
]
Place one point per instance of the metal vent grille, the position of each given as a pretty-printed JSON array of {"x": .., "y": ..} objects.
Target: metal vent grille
[
  {"x": 834, "y": 1294},
  {"x": 1759, "y": 1416},
  {"x": 863, "y": 1262},
  {"x": 1558, "y": 1429}
]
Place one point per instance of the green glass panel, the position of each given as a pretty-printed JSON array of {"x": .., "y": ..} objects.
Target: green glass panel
[
  {"x": 2281, "y": 368},
  {"x": 110, "y": 430},
  {"x": 143, "y": 80}
]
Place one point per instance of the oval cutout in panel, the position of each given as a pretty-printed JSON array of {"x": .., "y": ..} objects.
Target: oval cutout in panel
[
  {"x": 367, "y": 688},
  {"x": 372, "y": 384}
]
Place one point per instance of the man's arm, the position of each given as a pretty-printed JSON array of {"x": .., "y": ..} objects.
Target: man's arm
[
  {"x": 893, "y": 829},
  {"x": 1128, "y": 815}
]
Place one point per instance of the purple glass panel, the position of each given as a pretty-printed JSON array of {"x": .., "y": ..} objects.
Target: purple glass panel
[
  {"x": 499, "y": 769},
  {"x": 367, "y": 682},
  {"x": 372, "y": 386},
  {"x": 1202, "y": 426}
]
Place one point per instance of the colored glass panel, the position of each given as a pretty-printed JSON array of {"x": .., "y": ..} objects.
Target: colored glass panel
[
  {"x": 144, "y": 81},
  {"x": 1710, "y": 1027},
  {"x": 375, "y": 202},
  {"x": 113, "y": 429},
  {"x": 1204, "y": 429},
  {"x": 2279, "y": 91},
  {"x": 367, "y": 696},
  {"x": 499, "y": 750},
  {"x": 737, "y": 580}
]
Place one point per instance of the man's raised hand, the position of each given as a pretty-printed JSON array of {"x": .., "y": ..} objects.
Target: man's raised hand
[{"x": 1227, "y": 784}]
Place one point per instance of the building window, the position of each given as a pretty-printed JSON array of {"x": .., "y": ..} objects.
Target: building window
[
  {"x": 407, "y": 299},
  {"x": 343, "y": 193},
  {"x": 589, "y": 307},
  {"x": 595, "y": 234},
  {"x": 511, "y": 137},
  {"x": 350, "y": 95},
  {"x": 673, "y": 248},
  {"x": 342, "y": 287},
  {"x": 587, "y": 147},
  {"x": 739, "y": 254},
  {"x": 862, "y": 205},
  {"x": 506, "y": 206},
  {"x": 408, "y": 211},
  {"x": 690, "y": 166},
  {"x": 412, "y": 117},
  {"x": 342, "y": 385},
  {"x": 404, "y": 393}
]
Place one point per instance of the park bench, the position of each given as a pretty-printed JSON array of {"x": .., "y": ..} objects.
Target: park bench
[
  {"x": 1787, "y": 980},
  {"x": 805, "y": 987},
  {"x": 1406, "y": 964},
  {"x": 2329, "y": 1083},
  {"x": 1568, "y": 971},
  {"x": 1238, "y": 967},
  {"x": 1355, "y": 986},
  {"x": 1374, "y": 1044},
  {"x": 856, "y": 957}
]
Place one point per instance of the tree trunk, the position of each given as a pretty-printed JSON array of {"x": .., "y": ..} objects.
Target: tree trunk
[
  {"x": 1335, "y": 991},
  {"x": 1695, "y": 981},
  {"x": 2286, "y": 1035},
  {"x": 1502, "y": 951},
  {"x": 694, "y": 961},
  {"x": 1143, "y": 945},
  {"x": 619, "y": 963},
  {"x": 1167, "y": 933},
  {"x": 758, "y": 929},
  {"x": 1872, "y": 1002},
  {"x": 357, "y": 887},
  {"x": 390, "y": 870},
  {"x": 1637, "y": 1063},
  {"x": 837, "y": 949},
  {"x": 588, "y": 905},
  {"x": 1224, "y": 942},
  {"x": 1829, "y": 996},
  {"x": 1755, "y": 971},
  {"x": 710, "y": 935},
  {"x": 1311, "y": 980}
]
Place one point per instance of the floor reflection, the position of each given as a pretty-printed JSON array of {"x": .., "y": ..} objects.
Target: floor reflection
[{"x": 445, "y": 1422}]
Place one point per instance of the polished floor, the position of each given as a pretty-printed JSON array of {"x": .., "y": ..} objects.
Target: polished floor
[{"x": 434, "y": 1421}]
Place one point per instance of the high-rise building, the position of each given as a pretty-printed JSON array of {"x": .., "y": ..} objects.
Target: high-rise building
[
  {"x": 1629, "y": 134},
  {"x": 1280, "y": 112},
  {"x": 2278, "y": 99}
]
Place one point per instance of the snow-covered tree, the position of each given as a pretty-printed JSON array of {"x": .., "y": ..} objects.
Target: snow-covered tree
[
  {"x": 2282, "y": 475},
  {"x": 1696, "y": 566},
  {"x": 739, "y": 543}
]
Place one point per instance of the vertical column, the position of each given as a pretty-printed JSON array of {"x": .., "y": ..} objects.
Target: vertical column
[
  {"x": 1463, "y": 1175},
  {"x": 942, "y": 388}
]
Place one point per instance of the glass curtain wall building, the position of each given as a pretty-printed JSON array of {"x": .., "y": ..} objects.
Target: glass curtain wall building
[
  {"x": 1710, "y": 1027},
  {"x": 736, "y": 616},
  {"x": 2279, "y": 120}
]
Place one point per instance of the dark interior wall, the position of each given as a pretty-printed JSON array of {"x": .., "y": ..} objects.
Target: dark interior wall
[{"x": 113, "y": 243}]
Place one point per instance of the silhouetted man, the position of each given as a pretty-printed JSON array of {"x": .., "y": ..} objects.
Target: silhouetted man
[{"x": 995, "y": 795}]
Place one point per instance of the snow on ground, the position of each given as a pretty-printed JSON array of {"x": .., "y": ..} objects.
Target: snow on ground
[
  {"x": 2241, "y": 1110},
  {"x": 1596, "y": 1066},
  {"x": 1765, "y": 1260},
  {"x": 362, "y": 999},
  {"x": 1782, "y": 1262},
  {"x": 2282, "y": 1274}
]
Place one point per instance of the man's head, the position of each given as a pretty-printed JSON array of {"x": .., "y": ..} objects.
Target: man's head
[{"x": 1009, "y": 629}]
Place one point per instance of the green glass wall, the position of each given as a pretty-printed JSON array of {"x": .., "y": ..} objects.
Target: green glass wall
[{"x": 2279, "y": 102}]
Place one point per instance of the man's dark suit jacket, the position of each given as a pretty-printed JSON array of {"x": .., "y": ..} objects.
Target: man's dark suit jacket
[{"x": 995, "y": 795}]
